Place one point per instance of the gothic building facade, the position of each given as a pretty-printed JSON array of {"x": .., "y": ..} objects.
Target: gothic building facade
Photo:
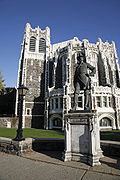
[{"x": 48, "y": 71}]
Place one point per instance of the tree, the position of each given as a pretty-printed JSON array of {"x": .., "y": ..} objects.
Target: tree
[{"x": 2, "y": 85}]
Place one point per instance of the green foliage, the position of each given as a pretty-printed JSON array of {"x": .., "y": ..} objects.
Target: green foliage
[
  {"x": 31, "y": 132},
  {"x": 2, "y": 86},
  {"x": 113, "y": 135}
]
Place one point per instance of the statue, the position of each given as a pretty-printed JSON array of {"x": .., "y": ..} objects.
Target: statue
[{"x": 82, "y": 80}]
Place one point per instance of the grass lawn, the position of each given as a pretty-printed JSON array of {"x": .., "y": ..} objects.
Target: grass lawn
[
  {"x": 31, "y": 132},
  {"x": 113, "y": 135},
  {"x": 41, "y": 133}
]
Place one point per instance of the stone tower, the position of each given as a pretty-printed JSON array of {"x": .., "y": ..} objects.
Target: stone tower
[{"x": 32, "y": 65}]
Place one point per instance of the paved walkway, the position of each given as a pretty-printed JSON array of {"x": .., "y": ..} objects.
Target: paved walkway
[{"x": 49, "y": 166}]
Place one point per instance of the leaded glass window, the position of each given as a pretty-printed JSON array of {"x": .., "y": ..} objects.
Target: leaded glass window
[
  {"x": 42, "y": 45},
  {"x": 32, "y": 44},
  {"x": 104, "y": 101},
  {"x": 61, "y": 102},
  {"x": 98, "y": 99},
  {"x": 56, "y": 103}
]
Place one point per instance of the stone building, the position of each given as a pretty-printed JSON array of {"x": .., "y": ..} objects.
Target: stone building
[
  {"x": 48, "y": 71},
  {"x": 32, "y": 65}
]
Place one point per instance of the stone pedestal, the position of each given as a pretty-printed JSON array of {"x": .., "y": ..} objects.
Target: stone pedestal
[{"x": 82, "y": 137}]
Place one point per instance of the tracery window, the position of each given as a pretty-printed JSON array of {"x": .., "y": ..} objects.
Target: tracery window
[
  {"x": 98, "y": 100},
  {"x": 104, "y": 101},
  {"x": 52, "y": 104},
  {"x": 110, "y": 101},
  {"x": 56, "y": 103},
  {"x": 42, "y": 45},
  {"x": 32, "y": 44},
  {"x": 61, "y": 102}
]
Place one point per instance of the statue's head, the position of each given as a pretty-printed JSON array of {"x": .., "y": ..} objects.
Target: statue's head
[{"x": 81, "y": 56}]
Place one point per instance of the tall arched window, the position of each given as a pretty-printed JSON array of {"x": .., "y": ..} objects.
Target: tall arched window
[
  {"x": 42, "y": 45},
  {"x": 32, "y": 44}
]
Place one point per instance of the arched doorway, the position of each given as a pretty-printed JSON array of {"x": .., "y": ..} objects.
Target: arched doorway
[
  {"x": 57, "y": 123},
  {"x": 105, "y": 122}
]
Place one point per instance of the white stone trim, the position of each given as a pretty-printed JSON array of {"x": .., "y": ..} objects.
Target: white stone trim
[
  {"x": 38, "y": 115},
  {"x": 34, "y": 102},
  {"x": 35, "y": 55}
]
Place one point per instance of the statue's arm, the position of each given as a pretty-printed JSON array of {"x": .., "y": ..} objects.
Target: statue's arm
[{"x": 93, "y": 70}]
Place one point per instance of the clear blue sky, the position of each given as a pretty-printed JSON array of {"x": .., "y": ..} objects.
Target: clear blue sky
[{"x": 85, "y": 19}]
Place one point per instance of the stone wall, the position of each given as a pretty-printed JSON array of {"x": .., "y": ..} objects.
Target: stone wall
[
  {"x": 15, "y": 147},
  {"x": 35, "y": 80},
  {"x": 3, "y": 121},
  {"x": 34, "y": 122},
  {"x": 37, "y": 114},
  {"x": 35, "y": 96},
  {"x": 110, "y": 148},
  {"x": 28, "y": 121},
  {"x": 9, "y": 122}
]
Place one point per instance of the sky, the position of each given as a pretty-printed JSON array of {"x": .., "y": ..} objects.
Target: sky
[{"x": 85, "y": 19}]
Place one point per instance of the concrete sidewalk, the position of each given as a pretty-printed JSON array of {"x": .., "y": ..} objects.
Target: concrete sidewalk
[{"x": 48, "y": 165}]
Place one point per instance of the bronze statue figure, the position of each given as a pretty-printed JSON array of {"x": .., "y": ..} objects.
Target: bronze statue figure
[{"x": 82, "y": 80}]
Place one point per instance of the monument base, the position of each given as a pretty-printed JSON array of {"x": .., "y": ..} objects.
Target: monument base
[
  {"x": 88, "y": 159},
  {"x": 82, "y": 137}
]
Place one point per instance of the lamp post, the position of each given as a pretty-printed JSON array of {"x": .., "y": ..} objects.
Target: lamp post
[{"x": 22, "y": 90}]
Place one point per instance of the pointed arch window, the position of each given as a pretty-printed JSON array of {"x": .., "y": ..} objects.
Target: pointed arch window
[
  {"x": 32, "y": 44},
  {"x": 42, "y": 45}
]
